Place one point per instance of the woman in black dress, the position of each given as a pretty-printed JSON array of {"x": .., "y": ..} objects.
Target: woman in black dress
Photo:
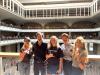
[{"x": 54, "y": 57}]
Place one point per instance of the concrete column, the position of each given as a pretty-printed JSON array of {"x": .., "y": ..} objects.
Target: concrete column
[
  {"x": 98, "y": 35},
  {"x": 3, "y": 3},
  {"x": 18, "y": 8},
  {"x": 76, "y": 11},
  {"x": 86, "y": 45},
  {"x": 18, "y": 47},
  {"x": 68, "y": 12},
  {"x": 43, "y": 25},
  {"x": 7, "y": 4},
  {"x": 0, "y": 35},
  {"x": 13, "y": 7},
  {"x": 1, "y": 66},
  {"x": 10, "y": 4}
]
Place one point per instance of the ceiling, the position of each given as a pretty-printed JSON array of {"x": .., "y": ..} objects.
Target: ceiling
[{"x": 45, "y": 2}]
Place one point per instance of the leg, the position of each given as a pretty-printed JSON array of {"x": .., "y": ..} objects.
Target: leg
[
  {"x": 27, "y": 70},
  {"x": 43, "y": 69},
  {"x": 67, "y": 67},
  {"x": 21, "y": 68},
  {"x": 36, "y": 68}
]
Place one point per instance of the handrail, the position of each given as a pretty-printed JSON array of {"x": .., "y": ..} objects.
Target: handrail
[
  {"x": 6, "y": 42},
  {"x": 5, "y": 28},
  {"x": 9, "y": 54}
]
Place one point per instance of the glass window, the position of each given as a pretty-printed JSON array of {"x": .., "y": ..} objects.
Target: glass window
[
  {"x": 34, "y": 13},
  {"x": 98, "y": 4},
  {"x": 11, "y": 5},
  {"x": 48, "y": 12},
  {"x": 1, "y": 2},
  {"x": 5, "y": 3},
  {"x": 25, "y": 13},
  {"x": 59, "y": 12},
  {"x": 51, "y": 12},
  {"x": 28, "y": 13},
  {"x": 78, "y": 11},
  {"x": 63, "y": 12},
  {"x": 39, "y": 13},
  {"x": 86, "y": 11},
  {"x": 15, "y": 8},
  {"x": 8, "y": 4},
  {"x": 31, "y": 13},
  {"x": 72, "y": 12}
]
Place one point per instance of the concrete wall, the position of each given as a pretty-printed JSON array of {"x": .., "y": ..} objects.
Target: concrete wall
[
  {"x": 98, "y": 49},
  {"x": 1, "y": 67}
]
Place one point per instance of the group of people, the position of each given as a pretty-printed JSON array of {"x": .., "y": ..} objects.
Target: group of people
[{"x": 53, "y": 59}]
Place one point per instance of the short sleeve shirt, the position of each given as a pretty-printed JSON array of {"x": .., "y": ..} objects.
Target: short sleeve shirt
[
  {"x": 57, "y": 52},
  {"x": 67, "y": 51}
]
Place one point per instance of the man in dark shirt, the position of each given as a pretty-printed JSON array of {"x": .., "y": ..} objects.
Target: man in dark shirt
[{"x": 39, "y": 51}]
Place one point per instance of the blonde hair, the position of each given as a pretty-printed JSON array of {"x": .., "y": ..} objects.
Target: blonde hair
[
  {"x": 82, "y": 41},
  {"x": 56, "y": 44},
  {"x": 82, "y": 49},
  {"x": 81, "y": 55}
]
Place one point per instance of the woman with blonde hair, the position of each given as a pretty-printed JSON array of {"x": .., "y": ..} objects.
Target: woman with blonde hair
[
  {"x": 79, "y": 56},
  {"x": 25, "y": 56},
  {"x": 54, "y": 57}
]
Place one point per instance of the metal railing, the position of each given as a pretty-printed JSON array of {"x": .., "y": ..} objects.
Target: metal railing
[
  {"x": 10, "y": 64},
  {"x": 62, "y": 11}
]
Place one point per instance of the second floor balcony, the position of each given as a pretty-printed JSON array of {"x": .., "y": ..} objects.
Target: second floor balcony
[{"x": 71, "y": 10}]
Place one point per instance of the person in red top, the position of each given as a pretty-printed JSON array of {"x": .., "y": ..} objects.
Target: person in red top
[{"x": 25, "y": 56}]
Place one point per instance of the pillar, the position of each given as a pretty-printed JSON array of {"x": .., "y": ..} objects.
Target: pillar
[
  {"x": 1, "y": 66},
  {"x": 18, "y": 47}
]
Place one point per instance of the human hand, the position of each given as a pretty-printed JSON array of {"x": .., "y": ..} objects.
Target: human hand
[
  {"x": 58, "y": 71},
  {"x": 49, "y": 56}
]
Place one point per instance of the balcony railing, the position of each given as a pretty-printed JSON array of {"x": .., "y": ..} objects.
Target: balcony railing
[
  {"x": 6, "y": 42},
  {"x": 9, "y": 64},
  {"x": 60, "y": 11},
  {"x": 14, "y": 29}
]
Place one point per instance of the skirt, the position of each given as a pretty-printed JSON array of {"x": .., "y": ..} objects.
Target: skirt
[
  {"x": 52, "y": 65},
  {"x": 52, "y": 69}
]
